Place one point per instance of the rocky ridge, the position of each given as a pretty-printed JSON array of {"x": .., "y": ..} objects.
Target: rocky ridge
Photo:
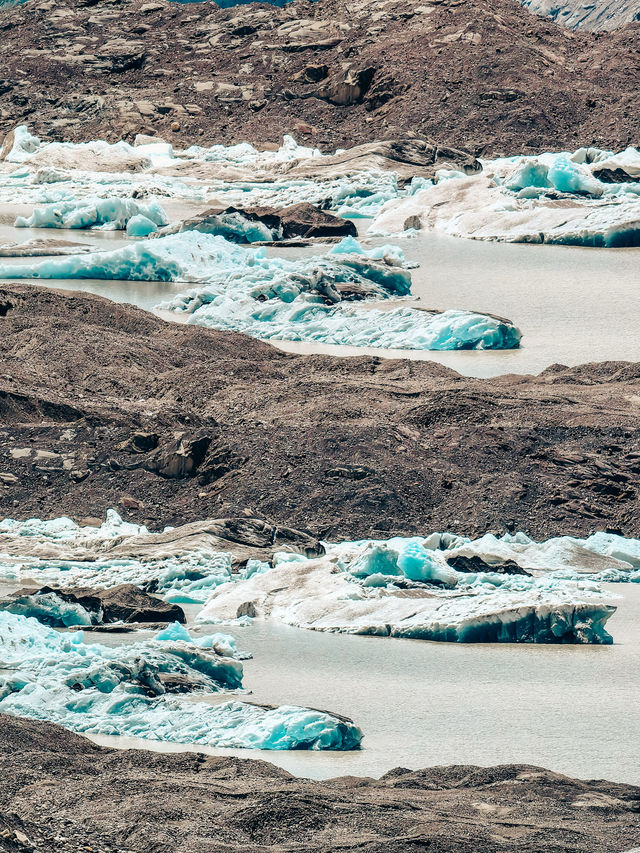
[
  {"x": 485, "y": 76},
  {"x": 58, "y": 792},
  {"x": 105, "y": 405}
]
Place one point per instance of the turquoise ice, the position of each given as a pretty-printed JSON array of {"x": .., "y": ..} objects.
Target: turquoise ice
[
  {"x": 104, "y": 213},
  {"x": 96, "y": 689},
  {"x": 336, "y": 298}
]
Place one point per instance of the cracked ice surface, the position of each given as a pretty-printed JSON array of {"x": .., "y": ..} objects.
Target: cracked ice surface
[
  {"x": 95, "y": 689},
  {"x": 322, "y": 298},
  {"x": 551, "y": 198}
]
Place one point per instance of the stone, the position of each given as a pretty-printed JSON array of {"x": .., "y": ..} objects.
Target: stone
[
  {"x": 179, "y": 459},
  {"x": 140, "y": 442},
  {"x": 123, "y": 603},
  {"x": 476, "y": 564},
  {"x": 9, "y": 479},
  {"x": 349, "y": 88},
  {"x": 297, "y": 220}
]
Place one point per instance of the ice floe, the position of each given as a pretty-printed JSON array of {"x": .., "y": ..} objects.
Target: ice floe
[
  {"x": 335, "y": 298},
  {"x": 109, "y": 214},
  {"x": 130, "y": 690},
  {"x": 402, "y": 589},
  {"x": 551, "y": 198}
]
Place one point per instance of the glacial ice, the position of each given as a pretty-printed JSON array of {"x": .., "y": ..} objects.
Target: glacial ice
[
  {"x": 140, "y": 226},
  {"x": 105, "y": 213},
  {"x": 354, "y": 587},
  {"x": 309, "y": 299},
  {"x": 550, "y": 198},
  {"x": 50, "y": 609},
  {"x": 96, "y": 689},
  {"x": 328, "y": 594},
  {"x": 531, "y": 194}
]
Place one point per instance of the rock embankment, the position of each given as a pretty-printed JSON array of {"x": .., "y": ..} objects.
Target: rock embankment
[
  {"x": 58, "y": 792},
  {"x": 105, "y": 405}
]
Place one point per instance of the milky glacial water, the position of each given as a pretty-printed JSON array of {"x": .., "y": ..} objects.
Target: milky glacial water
[
  {"x": 573, "y": 709},
  {"x": 573, "y": 305}
]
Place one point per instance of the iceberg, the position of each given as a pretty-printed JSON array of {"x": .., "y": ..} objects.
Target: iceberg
[
  {"x": 105, "y": 213},
  {"x": 330, "y": 594},
  {"x": 133, "y": 691},
  {"x": 336, "y": 298},
  {"x": 140, "y": 226},
  {"x": 50, "y": 609},
  {"x": 181, "y": 565},
  {"x": 585, "y": 198},
  {"x": 480, "y": 209}
]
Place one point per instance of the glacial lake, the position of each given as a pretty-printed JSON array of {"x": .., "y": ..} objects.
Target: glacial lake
[
  {"x": 573, "y": 305},
  {"x": 572, "y": 709}
]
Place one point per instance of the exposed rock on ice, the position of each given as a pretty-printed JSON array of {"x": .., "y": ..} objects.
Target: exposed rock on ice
[
  {"x": 255, "y": 224},
  {"x": 106, "y": 213},
  {"x": 280, "y": 299},
  {"x": 127, "y": 690},
  {"x": 85, "y": 606},
  {"x": 47, "y": 248},
  {"x": 602, "y": 556}
]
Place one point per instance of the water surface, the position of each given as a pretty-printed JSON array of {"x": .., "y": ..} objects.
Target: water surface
[{"x": 573, "y": 709}]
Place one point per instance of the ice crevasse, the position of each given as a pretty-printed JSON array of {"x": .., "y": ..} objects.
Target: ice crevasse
[
  {"x": 126, "y": 691},
  {"x": 336, "y": 298}
]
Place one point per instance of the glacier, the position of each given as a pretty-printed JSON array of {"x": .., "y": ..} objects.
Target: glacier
[
  {"x": 98, "y": 213},
  {"x": 335, "y": 298},
  {"x": 551, "y": 198},
  {"x": 127, "y": 691}
]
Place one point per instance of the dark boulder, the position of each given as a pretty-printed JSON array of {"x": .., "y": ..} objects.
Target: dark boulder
[
  {"x": 296, "y": 221},
  {"x": 477, "y": 564},
  {"x": 123, "y": 603}
]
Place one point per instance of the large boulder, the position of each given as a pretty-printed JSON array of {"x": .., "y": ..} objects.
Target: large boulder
[
  {"x": 296, "y": 221},
  {"x": 123, "y": 603}
]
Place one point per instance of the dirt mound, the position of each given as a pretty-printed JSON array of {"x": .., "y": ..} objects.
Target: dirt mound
[
  {"x": 481, "y": 74},
  {"x": 105, "y": 405},
  {"x": 71, "y": 795}
]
